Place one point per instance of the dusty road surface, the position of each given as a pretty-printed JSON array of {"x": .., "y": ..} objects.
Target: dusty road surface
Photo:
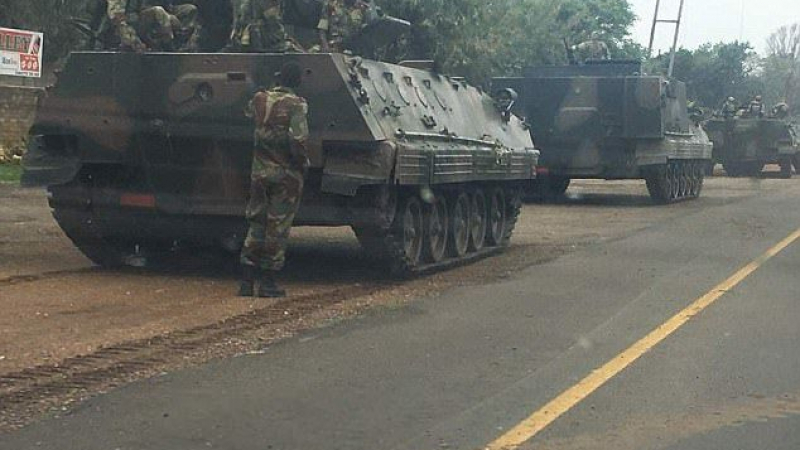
[{"x": 69, "y": 330}]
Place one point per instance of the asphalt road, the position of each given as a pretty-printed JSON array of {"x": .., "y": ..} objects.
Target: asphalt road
[{"x": 459, "y": 370}]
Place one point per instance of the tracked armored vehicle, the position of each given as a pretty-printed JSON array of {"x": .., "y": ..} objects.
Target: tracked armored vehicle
[
  {"x": 140, "y": 151},
  {"x": 745, "y": 145},
  {"x": 605, "y": 120}
]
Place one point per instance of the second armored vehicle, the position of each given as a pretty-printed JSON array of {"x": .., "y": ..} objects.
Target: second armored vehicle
[
  {"x": 744, "y": 145},
  {"x": 605, "y": 120}
]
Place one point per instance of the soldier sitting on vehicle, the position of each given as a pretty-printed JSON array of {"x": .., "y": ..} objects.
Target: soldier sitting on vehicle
[
  {"x": 756, "y": 108},
  {"x": 592, "y": 49},
  {"x": 258, "y": 27},
  {"x": 341, "y": 21},
  {"x": 729, "y": 108},
  {"x": 780, "y": 110},
  {"x": 154, "y": 25}
]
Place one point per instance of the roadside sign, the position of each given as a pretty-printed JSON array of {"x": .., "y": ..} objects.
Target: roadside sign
[{"x": 21, "y": 53}]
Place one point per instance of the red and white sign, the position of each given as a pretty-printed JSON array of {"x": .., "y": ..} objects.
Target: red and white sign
[{"x": 21, "y": 53}]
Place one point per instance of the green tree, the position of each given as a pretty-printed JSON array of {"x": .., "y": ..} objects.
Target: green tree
[
  {"x": 781, "y": 67},
  {"x": 714, "y": 72},
  {"x": 484, "y": 38},
  {"x": 49, "y": 16}
]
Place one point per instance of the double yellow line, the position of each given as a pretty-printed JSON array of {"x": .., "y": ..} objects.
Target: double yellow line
[{"x": 541, "y": 419}]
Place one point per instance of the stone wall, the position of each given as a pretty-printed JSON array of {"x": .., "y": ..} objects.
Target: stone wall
[{"x": 17, "y": 111}]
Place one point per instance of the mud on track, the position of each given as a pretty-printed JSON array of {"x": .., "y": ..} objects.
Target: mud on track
[{"x": 70, "y": 330}]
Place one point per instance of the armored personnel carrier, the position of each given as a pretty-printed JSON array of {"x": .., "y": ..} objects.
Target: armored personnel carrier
[
  {"x": 139, "y": 151},
  {"x": 605, "y": 120},
  {"x": 744, "y": 145}
]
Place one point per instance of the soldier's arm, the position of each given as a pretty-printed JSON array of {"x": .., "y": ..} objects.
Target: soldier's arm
[
  {"x": 298, "y": 129},
  {"x": 127, "y": 34},
  {"x": 323, "y": 26}
]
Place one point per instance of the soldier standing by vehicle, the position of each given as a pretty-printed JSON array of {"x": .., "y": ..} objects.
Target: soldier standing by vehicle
[
  {"x": 258, "y": 27},
  {"x": 159, "y": 26},
  {"x": 729, "y": 108},
  {"x": 277, "y": 178},
  {"x": 341, "y": 20}
]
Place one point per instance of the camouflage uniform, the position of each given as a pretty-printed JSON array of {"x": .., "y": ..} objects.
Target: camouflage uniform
[
  {"x": 279, "y": 163},
  {"x": 591, "y": 50},
  {"x": 756, "y": 108},
  {"x": 780, "y": 111},
  {"x": 258, "y": 27},
  {"x": 143, "y": 25},
  {"x": 729, "y": 107},
  {"x": 340, "y": 22}
]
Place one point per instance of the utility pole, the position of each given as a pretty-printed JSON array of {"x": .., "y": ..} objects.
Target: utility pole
[{"x": 677, "y": 23}]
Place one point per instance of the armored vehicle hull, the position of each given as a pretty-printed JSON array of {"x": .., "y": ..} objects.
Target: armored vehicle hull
[
  {"x": 143, "y": 151},
  {"x": 745, "y": 145},
  {"x": 605, "y": 121}
]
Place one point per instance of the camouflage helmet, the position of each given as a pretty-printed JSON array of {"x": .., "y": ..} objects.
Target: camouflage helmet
[{"x": 758, "y": 98}]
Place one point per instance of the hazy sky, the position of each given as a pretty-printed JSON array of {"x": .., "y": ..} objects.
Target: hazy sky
[{"x": 717, "y": 20}]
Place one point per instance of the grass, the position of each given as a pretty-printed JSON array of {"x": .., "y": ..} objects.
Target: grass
[{"x": 10, "y": 173}]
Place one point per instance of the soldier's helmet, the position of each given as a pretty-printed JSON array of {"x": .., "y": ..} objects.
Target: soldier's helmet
[
  {"x": 290, "y": 75},
  {"x": 731, "y": 99},
  {"x": 758, "y": 98}
]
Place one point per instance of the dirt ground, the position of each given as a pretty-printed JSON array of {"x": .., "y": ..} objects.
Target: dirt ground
[{"x": 56, "y": 304}]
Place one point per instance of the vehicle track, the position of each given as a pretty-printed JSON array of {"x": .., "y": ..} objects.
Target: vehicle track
[{"x": 32, "y": 391}]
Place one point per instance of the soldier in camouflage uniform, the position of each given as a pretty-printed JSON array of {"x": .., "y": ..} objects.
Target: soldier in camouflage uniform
[
  {"x": 279, "y": 164},
  {"x": 154, "y": 25},
  {"x": 341, "y": 20},
  {"x": 593, "y": 49},
  {"x": 756, "y": 108},
  {"x": 258, "y": 27},
  {"x": 729, "y": 108},
  {"x": 780, "y": 110}
]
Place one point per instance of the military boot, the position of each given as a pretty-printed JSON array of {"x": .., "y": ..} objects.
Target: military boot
[
  {"x": 268, "y": 288},
  {"x": 247, "y": 285}
]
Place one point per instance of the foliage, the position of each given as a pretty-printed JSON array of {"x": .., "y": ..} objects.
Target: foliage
[
  {"x": 51, "y": 17},
  {"x": 10, "y": 173},
  {"x": 715, "y": 72},
  {"x": 781, "y": 66},
  {"x": 482, "y": 38}
]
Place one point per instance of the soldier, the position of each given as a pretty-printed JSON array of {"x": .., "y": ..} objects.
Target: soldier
[
  {"x": 780, "y": 111},
  {"x": 258, "y": 27},
  {"x": 341, "y": 20},
  {"x": 592, "y": 49},
  {"x": 729, "y": 108},
  {"x": 279, "y": 164},
  {"x": 144, "y": 26},
  {"x": 756, "y": 108}
]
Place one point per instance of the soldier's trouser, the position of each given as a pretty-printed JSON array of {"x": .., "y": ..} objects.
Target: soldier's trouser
[{"x": 273, "y": 204}]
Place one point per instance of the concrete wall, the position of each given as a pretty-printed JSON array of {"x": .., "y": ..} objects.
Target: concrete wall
[{"x": 17, "y": 111}]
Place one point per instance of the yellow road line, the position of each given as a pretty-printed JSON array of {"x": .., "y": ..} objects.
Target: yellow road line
[{"x": 557, "y": 407}]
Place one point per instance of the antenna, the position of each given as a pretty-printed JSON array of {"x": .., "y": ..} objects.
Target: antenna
[{"x": 677, "y": 23}]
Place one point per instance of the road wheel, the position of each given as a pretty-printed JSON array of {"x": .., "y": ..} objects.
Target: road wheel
[
  {"x": 497, "y": 217},
  {"x": 685, "y": 182},
  {"x": 478, "y": 220},
  {"x": 459, "y": 225},
  {"x": 437, "y": 229},
  {"x": 700, "y": 175},
  {"x": 557, "y": 186},
  {"x": 674, "y": 182}
]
